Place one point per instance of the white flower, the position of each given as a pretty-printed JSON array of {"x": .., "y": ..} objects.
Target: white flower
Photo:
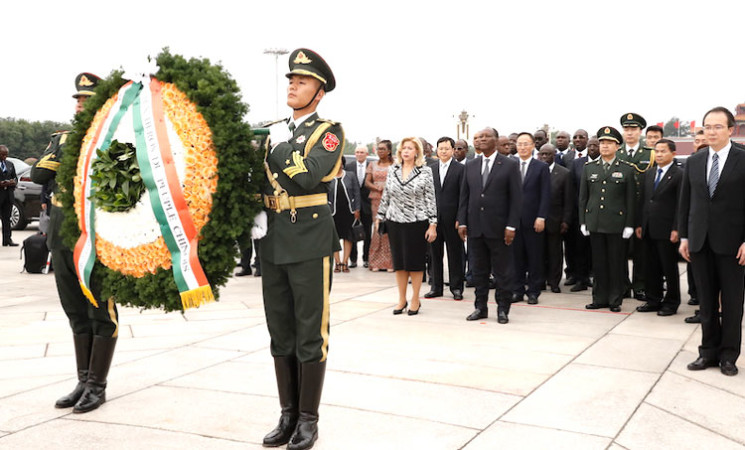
[{"x": 140, "y": 72}]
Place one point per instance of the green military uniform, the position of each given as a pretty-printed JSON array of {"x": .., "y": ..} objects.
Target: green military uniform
[
  {"x": 296, "y": 258},
  {"x": 94, "y": 329},
  {"x": 641, "y": 160},
  {"x": 606, "y": 208}
]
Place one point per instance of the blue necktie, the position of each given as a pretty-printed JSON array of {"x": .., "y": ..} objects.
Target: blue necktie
[
  {"x": 4, "y": 169},
  {"x": 657, "y": 180},
  {"x": 713, "y": 174}
]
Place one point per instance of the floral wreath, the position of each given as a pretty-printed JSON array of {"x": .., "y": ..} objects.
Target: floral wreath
[{"x": 174, "y": 245}]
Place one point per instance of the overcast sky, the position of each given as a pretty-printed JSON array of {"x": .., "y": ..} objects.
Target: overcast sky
[{"x": 402, "y": 68}]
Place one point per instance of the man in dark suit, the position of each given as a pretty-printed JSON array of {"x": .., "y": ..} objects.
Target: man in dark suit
[
  {"x": 582, "y": 259},
  {"x": 461, "y": 151},
  {"x": 607, "y": 199},
  {"x": 358, "y": 166},
  {"x": 562, "y": 147},
  {"x": 560, "y": 212},
  {"x": 489, "y": 214},
  {"x": 448, "y": 176},
  {"x": 658, "y": 230},
  {"x": 571, "y": 238},
  {"x": 8, "y": 182},
  {"x": 529, "y": 240},
  {"x": 711, "y": 224}
]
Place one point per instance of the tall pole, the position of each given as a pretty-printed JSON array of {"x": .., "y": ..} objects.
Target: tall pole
[{"x": 276, "y": 52}]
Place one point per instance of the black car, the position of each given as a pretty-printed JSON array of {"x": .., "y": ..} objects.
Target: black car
[{"x": 27, "y": 205}]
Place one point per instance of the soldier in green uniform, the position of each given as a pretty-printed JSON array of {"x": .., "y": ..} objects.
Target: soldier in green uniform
[
  {"x": 303, "y": 155},
  {"x": 94, "y": 329},
  {"x": 606, "y": 214},
  {"x": 641, "y": 158}
]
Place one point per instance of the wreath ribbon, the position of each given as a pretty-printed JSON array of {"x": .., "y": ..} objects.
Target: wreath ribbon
[{"x": 166, "y": 195}]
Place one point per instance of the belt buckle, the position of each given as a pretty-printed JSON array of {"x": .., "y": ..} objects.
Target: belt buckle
[{"x": 273, "y": 202}]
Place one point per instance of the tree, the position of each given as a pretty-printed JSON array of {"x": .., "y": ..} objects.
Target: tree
[
  {"x": 671, "y": 130},
  {"x": 27, "y": 139}
]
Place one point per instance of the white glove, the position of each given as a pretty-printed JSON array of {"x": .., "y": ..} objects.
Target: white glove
[
  {"x": 278, "y": 133},
  {"x": 583, "y": 230},
  {"x": 627, "y": 232},
  {"x": 258, "y": 231}
]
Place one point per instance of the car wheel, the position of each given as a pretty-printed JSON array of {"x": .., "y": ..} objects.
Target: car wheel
[{"x": 17, "y": 218}]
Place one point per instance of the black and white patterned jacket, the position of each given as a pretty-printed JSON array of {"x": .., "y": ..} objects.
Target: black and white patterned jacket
[{"x": 411, "y": 200}]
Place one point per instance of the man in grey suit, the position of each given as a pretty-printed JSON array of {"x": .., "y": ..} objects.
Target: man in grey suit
[
  {"x": 711, "y": 224},
  {"x": 489, "y": 214},
  {"x": 358, "y": 167}
]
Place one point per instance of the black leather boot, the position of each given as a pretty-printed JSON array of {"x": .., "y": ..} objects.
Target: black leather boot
[
  {"x": 102, "y": 352},
  {"x": 286, "y": 370},
  {"x": 82, "y": 358},
  {"x": 311, "y": 385}
]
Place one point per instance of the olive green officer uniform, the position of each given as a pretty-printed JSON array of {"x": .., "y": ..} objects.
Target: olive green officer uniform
[
  {"x": 296, "y": 259},
  {"x": 606, "y": 207},
  {"x": 641, "y": 160},
  {"x": 95, "y": 329}
]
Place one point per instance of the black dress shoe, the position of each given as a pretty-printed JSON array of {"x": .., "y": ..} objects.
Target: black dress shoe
[
  {"x": 457, "y": 294},
  {"x": 594, "y": 306},
  {"x": 469, "y": 283},
  {"x": 556, "y": 289},
  {"x": 702, "y": 363},
  {"x": 412, "y": 312},
  {"x": 400, "y": 311},
  {"x": 478, "y": 314},
  {"x": 532, "y": 300},
  {"x": 433, "y": 294},
  {"x": 517, "y": 298},
  {"x": 648, "y": 307},
  {"x": 10, "y": 244},
  {"x": 502, "y": 317},
  {"x": 728, "y": 368},
  {"x": 695, "y": 318},
  {"x": 365, "y": 264},
  {"x": 242, "y": 273},
  {"x": 352, "y": 265},
  {"x": 570, "y": 281},
  {"x": 693, "y": 301},
  {"x": 640, "y": 295},
  {"x": 257, "y": 273},
  {"x": 615, "y": 309},
  {"x": 666, "y": 312},
  {"x": 578, "y": 287}
]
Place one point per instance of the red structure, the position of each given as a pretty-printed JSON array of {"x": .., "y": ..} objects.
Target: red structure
[{"x": 739, "y": 121}]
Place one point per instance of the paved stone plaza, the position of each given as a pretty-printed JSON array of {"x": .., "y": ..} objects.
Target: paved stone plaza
[{"x": 557, "y": 376}]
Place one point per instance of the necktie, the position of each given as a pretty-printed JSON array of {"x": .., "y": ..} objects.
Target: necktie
[
  {"x": 523, "y": 169},
  {"x": 361, "y": 173},
  {"x": 3, "y": 166},
  {"x": 713, "y": 174},
  {"x": 292, "y": 127},
  {"x": 579, "y": 154},
  {"x": 485, "y": 173},
  {"x": 657, "y": 180},
  {"x": 606, "y": 165},
  {"x": 443, "y": 171},
  {"x": 631, "y": 153}
]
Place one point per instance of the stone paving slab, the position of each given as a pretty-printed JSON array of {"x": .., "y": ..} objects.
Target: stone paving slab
[{"x": 514, "y": 435}]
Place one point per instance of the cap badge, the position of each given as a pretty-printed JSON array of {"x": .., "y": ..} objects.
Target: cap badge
[
  {"x": 607, "y": 130},
  {"x": 630, "y": 117},
  {"x": 300, "y": 58},
  {"x": 84, "y": 81}
]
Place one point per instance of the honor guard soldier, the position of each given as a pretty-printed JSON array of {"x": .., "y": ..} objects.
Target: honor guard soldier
[
  {"x": 641, "y": 158},
  {"x": 95, "y": 329},
  {"x": 303, "y": 155},
  {"x": 607, "y": 200}
]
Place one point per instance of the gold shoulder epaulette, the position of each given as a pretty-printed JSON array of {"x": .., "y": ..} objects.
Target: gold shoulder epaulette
[
  {"x": 630, "y": 164},
  {"x": 57, "y": 133},
  {"x": 590, "y": 162},
  {"x": 268, "y": 124},
  {"x": 328, "y": 121}
]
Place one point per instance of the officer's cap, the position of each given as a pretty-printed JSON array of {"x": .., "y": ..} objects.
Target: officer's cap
[
  {"x": 85, "y": 83},
  {"x": 309, "y": 63},
  {"x": 633, "y": 120},
  {"x": 610, "y": 134}
]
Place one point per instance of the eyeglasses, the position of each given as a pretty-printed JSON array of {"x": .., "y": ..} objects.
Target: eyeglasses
[{"x": 714, "y": 127}]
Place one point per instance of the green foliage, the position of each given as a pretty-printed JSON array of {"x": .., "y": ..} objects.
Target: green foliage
[
  {"x": 233, "y": 205},
  {"x": 27, "y": 139},
  {"x": 117, "y": 183},
  {"x": 671, "y": 131}
]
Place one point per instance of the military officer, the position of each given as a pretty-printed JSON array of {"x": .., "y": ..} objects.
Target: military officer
[
  {"x": 641, "y": 159},
  {"x": 606, "y": 206},
  {"x": 94, "y": 329},
  {"x": 303, "y": 155}
]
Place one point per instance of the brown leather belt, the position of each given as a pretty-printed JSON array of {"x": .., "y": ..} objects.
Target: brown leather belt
[{"x": 283, "y": 202}]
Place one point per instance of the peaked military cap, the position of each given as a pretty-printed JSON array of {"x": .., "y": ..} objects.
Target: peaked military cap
[
  {"x": 610, "y": 134},
  {"x": 85, "y": 83},
  {"x": 633, "y": 120},
  {"x": 309, "y": 63}
]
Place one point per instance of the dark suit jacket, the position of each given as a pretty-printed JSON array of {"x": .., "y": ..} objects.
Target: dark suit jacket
[
  {"x": 659, "y": 207},
  {"x": 365, "y": 206},
  {"x": 536, "y": 192},
  {"x": 562, "y": 199},
  {"x": 487, "y": 211},
  {"x": 448, "y": 194},
  {"x": 6, "y": 192},
  {"x": 720, "y": 218},
  {"x": 351, "y": 190}
]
